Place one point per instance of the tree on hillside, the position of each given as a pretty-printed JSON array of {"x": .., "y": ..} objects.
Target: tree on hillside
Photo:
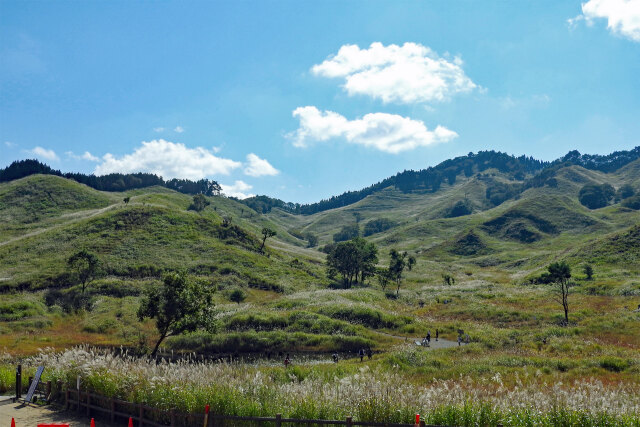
[
  {"x": 237, "y": 296},
  {"x": 625, "y": 192},
  {"x": 398, "y": 262},
  {"x": 126, "y": 200},
  {"x": 353, "y": 259},
  {"x": 588, "y": 271},
  {"x": 266, "y": 233},
  {"x": 347, "y": 232},
  {"x": 384, "y": 277},
  {"x": 559, "y": 274},
  {"x": 312, "y": 239},
  {"x": 199, "y": 203},
  {"x": 179, "y": 305},
  {"x": 84, "y": 265}
]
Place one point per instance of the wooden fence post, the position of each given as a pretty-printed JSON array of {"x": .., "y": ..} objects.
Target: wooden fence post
[
  {"x": 349, "y": 421},
  {"x": 48, "y": 391},
  {"x": 278, "y": 420},
  {"x": 19, "y": 382}
]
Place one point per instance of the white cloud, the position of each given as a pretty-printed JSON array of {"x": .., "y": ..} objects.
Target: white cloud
[
  {"x": 158, "y": 129},
  {"x": 169, "y": 160},
  {"x": 86, "y": 156},
  {"x": 390, "y": 133},
  {"x": 623, "y": 16},
  {"x": 237, "y": 189},
  {"x": 44, "y": 153},
  {"x": 403, "y": 74},
  {"x": 10, "y": 144},
  {"x": 178, "y": 129},
  {"x": 256, "y": 166}
]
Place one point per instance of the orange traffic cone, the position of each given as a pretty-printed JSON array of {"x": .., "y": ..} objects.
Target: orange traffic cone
[
  {"x": 93, "y": 422},
  {"x": 13, "y": 422},
  {"x": 130, "y": 422}
]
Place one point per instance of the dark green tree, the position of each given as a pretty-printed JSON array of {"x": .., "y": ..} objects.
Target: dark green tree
[
  {"x": 312, "y": 240},
  {"x": 559, "y": 274},
  {"x": 199, "y": 203},
  {"x": 266, "y": 233},
  {"x": 84, "y": 265},
  {"x": 352, "y": 259},
  {"x": 384, "y": 277},
  {"x": 625, "y": 192},
  {"x": 126, "y": 200},
  {"x": 596, "y": 196},
  {"x": 237, "y": 296},
  {"x": 588, "y": 271},
  {"x": 347, "y": 232},
  {"x": 179, "y": 305}
]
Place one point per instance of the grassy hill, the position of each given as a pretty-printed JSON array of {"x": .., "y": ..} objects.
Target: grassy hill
[{"x": 494, "y": 252}]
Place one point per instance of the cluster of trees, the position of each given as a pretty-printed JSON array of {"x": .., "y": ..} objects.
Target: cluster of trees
[
  {"x": 355, "y": 260},
  {"x": 460, "y": 208},
  {"x": 596, "y": 196},
  {"x": 113, "y": 181},
  {"x": 347, "y": 232},
  {"x": 378, "y": 226}
]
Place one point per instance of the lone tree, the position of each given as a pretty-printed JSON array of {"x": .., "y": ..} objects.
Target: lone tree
[
  {"x": 85, "y": 266},
  {"x": 397, "y": 264},
  {"x": 559, "y": 274},
  {"x": 126, "y": 200},
  {"x": 199, "y": 203},
  {"x": 588, "y": 271},
  {"x": 266, "y": 233},
  {"x": 178, "y": 305},
  {"x": 237, "y": 296}
]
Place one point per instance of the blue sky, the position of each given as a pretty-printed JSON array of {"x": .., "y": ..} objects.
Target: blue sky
[{"x": 304, "y": 100}]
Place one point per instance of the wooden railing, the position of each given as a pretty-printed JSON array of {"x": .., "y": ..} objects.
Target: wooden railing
[{"x": 116, "y": 409}]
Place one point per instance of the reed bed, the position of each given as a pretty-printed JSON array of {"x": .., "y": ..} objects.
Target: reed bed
[{"x": 334, "y": 392}]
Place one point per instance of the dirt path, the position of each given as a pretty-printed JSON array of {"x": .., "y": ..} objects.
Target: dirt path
[
  {"x": 77, "y": 216},
  {"x": 31, "y": 416},
  {"x": 441, "y": 343}
]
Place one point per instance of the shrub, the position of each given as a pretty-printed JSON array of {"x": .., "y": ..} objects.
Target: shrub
[
  {"x": 596, "y": 196},
  {"x": 378, "y": 226}
]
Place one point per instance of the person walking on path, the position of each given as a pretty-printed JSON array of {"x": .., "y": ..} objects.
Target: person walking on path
[
  {"x": 459, "y": 340},
  {"x": 428, "y": 337},
  {"x": 335, "y": 357},
  {"x": 361, "y": 354},
  {"x": 437, "y": 334},
  {"x": 287, "y": 361},
  {"x": 369, "y": 353}
]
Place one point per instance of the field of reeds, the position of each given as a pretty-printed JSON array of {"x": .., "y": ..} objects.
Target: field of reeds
[{"x": 368, "y": 392}]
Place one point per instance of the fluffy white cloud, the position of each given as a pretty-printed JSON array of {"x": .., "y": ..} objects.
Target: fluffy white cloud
[
  {"x": 623, "y": 16},
  {"x": 237, "y": 189},
  {"x": 85, "y": 156},
  {"x": 256, "y": 166},
  {"x": 44, "y": 153},
  {"x": 179, "y": 129},
  {"x": 169, "y": 160},
  {"x": 390, "y": 133},
  {"x": 404, "y": 74}
]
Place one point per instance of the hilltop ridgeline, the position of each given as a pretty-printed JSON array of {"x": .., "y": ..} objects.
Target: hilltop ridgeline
[
  {"x": 111, "y": 182},
  {"x": 529, "y": 171}
]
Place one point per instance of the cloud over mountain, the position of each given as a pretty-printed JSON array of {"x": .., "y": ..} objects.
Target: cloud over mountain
[
  {"x": 402, "y": 74},
  {"x": 390, "y": 133},
  {"x": 169, "y": 160},
  {"x": 256, "y": 166}
]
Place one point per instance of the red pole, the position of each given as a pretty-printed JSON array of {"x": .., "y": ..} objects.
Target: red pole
[
  {"x": 13, "y": 422},
  {"x": 417, "y": 419},
  {"x": 206, "y": 416},
  {"x": 93, "y": 422},
  {"x": 130, "y": 422}
]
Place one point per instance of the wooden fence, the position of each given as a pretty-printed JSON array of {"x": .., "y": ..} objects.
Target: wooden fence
[{"x": 118, "y": 410}]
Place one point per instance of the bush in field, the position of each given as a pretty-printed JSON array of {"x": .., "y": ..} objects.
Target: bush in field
[
  {"x": 378, "y": 226},
  {"x": 237, "y": 296},
  {"x": 346, "y": 233},
  {"x": 199, "y": 203},
  {"x": 596, "y": 196}
]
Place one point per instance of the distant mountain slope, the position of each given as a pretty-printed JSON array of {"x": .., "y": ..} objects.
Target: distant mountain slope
[{"x": 538, "y": 173}]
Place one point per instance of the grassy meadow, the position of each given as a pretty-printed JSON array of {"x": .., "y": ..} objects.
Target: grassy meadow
[{"x": 521, "y": 367}]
